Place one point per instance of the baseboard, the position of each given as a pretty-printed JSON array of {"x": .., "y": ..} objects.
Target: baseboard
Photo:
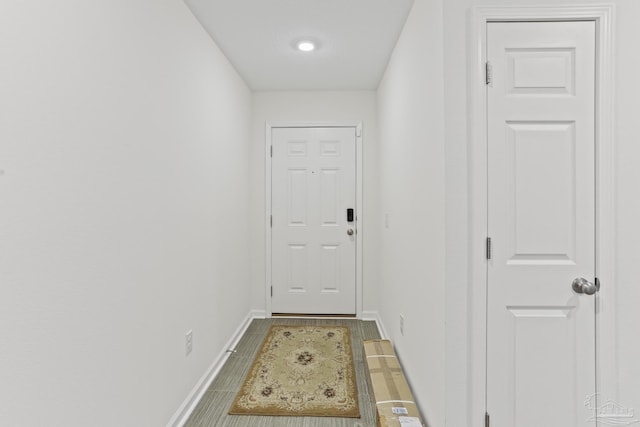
[
  {"x": 187, "y": 407},
  {"x": 375, "y": 316},
  {"x": 258, "y": 314}
]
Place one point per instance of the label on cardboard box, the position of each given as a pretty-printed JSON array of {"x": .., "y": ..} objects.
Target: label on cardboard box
[
  {"x": 410, "y": 421},
  {"x": 399, "y": 410}
]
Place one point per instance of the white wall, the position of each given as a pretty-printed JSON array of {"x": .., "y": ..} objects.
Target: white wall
[
  {"x": 628, "y": 203},
  {"x": 412, "y": 187},
  {"x": 315, "y": 107},
  {"x": 457, "y": 242},
  {"x": 624, "y": 385},
  {"x": 123, "y": 209}
]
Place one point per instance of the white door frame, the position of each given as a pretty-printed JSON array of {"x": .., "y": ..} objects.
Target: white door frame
[
  {"x": 603, "y": 15},
  {"x": 359, "y": 204}
]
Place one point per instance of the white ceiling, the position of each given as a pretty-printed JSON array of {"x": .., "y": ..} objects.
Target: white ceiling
[{"x": 356, "y": 39}]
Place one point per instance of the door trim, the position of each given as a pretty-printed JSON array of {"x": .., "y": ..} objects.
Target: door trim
[
  {"x": 359, "y": 204},
  {"x": 479, "y": 17}
]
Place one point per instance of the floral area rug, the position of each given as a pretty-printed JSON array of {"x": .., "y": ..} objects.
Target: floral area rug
[{"x": 301, "y": 370}]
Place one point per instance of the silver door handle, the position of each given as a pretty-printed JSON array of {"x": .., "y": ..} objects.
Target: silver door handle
[
  {"x": 582, "y": 286},
  {"x": 350, "y": 232}
]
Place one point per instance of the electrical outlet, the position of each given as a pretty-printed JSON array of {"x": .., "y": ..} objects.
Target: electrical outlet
[
  {"x": 402, "y": 324},
  {"x": 188, "y": 342}
]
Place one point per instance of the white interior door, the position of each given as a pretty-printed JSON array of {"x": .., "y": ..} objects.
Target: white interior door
[
  {"x": 541, "y": 210},
  {"x": 313, "y": 240}
]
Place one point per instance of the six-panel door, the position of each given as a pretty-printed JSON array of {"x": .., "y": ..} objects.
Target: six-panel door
[
  {"x": 313, "y": 244},
  {"x": 541, "y": 189}
]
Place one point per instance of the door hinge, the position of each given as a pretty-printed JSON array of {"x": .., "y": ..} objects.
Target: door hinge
[
  {"x": 487, "y": 420},
  {"x": 271, "y": 150},
  {"x": 488, "y": 247},
  {"x": 272, "y": 290},
  {"x": 271, "y": 221},
  {"x": 488, "y": 73}
]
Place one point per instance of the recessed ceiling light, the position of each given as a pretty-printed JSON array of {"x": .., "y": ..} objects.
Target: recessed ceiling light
[{"x": 306, "y": 46}]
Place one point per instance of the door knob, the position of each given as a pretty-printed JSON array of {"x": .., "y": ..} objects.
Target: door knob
[
  {"x": 350, "y": 232},
  {"x": 582, "y": 286}
]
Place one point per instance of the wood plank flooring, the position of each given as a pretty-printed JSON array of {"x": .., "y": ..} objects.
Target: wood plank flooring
[{"x": 212, "y": 409}]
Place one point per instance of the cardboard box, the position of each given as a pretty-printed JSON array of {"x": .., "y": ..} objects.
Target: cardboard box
[{"x": 393, "y": 398}]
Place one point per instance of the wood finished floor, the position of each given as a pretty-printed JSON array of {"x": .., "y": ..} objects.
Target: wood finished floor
[{"x": 212, "y": 409}]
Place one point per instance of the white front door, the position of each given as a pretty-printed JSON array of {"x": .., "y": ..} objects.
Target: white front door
[
  {"x": 313, "y": 220},
  {"x": 541, "y": 210}
]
